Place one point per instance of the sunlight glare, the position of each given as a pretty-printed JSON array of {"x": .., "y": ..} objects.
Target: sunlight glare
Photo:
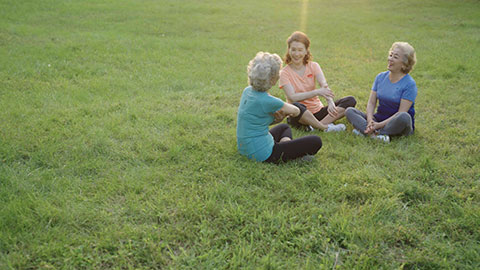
[{"x": 303, "y": 16}]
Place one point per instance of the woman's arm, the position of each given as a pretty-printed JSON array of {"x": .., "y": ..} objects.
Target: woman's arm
[
  {"x": 287, "y": 110},
  {"x": 290, "y": 110},
  {"x": 322, "y": 81},
  {"x": 404, "y": 107},
  {"x": 371, "y": 104},
  {"x": 294, "y": 97}
]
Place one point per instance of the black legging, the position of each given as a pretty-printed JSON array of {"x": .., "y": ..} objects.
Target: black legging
[
  {"x": 345, "y": 103},
  {"x": 288, "y": 150}
]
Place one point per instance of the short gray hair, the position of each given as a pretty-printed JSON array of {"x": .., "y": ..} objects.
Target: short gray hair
[
  {"x": 262, "y": 69},
  {"x": 409, "y": 58}
]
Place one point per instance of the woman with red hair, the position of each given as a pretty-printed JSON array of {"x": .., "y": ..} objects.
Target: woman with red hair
[{"x": 298, "y": 80}]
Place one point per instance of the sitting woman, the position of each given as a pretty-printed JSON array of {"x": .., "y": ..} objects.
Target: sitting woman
[
  {"x": 258, "y": 109},
  {"x": 395, "y": 90},
  {"x": 298, "y": 80}
]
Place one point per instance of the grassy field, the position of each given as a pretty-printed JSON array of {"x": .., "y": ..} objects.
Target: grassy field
[{"x": 118, "y": 148}]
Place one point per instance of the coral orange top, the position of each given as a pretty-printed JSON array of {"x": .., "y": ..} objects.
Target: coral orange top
[{"x": 303, "y": 83}]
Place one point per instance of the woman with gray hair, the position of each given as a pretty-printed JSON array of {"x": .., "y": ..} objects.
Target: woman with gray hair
[
  {"x": 258, "y": 109},
  {"x": 395, "y": 90}
]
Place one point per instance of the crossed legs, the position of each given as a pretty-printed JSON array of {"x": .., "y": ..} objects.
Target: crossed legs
[
  {"x": 400, "y": 125},
  {"x": 321, "y": 119},
  {"x": 286, "y": 148}
]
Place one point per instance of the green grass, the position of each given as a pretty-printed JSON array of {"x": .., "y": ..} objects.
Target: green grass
[{"x": 118, "y": 148}]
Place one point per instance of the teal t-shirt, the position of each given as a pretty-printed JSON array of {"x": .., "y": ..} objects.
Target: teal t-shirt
[{"x": 255, "y": 114}]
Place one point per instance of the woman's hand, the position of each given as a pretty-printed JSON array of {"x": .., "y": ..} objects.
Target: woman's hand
[
  {"x": 372, "y": 126},
  {"x": 325, "y": 92},
  {"x": 278, "y": 116},
  {"x": 332, "y": 110},
  {"x": 286, "y": 110}
]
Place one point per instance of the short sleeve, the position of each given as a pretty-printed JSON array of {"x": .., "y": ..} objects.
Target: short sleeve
[
  {"x": 284, "y": 78},
  {"x": 316, "y": 68},
  {"x": 272, "y": 104},
  {"x": 410, "y": 92},
  {"x": 375, "y": 83}
]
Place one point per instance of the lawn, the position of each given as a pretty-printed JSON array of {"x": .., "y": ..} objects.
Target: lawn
[{"x": 118, "y": 147}]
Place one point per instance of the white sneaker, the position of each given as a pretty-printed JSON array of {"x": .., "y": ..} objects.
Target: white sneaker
[
  {"x": 384, "y": 138},
  {"x": 335, "y": 128},
  {"x": 357, "y": 132}
]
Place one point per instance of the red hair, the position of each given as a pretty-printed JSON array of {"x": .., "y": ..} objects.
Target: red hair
[{"x": 298, "y": 37}]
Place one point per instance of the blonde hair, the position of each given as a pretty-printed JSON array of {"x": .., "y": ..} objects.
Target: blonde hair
[
  {"x": 262, "y": 70},
  {"x": 409, "y": 58}
]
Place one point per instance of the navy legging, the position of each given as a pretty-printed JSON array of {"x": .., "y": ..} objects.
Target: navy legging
[{"x": 288, "y": 150}]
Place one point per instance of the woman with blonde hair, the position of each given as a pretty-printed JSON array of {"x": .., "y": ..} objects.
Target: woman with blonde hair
[
  {"x": 258, "y": 109},
  {"x": 298, "y": 80},
  {"x": 396, "y": 91}
]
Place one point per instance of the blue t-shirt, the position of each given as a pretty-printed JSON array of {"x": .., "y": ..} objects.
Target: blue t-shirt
[
  {"x": 390, "y": 94},
  {"x": 255, "y": 114}
]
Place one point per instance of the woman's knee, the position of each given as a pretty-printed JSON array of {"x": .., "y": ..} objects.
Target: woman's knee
[
  {"x": 349, "y": 102},
  {"x": 352, "y": 102},
  {"x": 404, "y": 117},
  {"x": 316, "y": 143},
  {"x": 285, "y": 131},
  {"x": 295, "y": 121},
  {"x": 283, "y": 126},
  {"x": 350, "y": 111}
]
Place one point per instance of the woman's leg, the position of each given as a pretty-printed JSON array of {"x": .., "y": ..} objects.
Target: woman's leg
[
  {"x": 341, "y": 104},
  {"x": 309, "y": 119},
  {"x": 305, "y": 118},
  {"x": 285, "y": 151},
  {"x": 357, "y": 118},
  {"x": 400, "y": 125},
  {"x": 281, "y": 131}
]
